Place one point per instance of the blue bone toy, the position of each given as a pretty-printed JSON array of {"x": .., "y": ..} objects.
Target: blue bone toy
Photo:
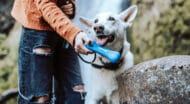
[{"x": 112, "y": 56}]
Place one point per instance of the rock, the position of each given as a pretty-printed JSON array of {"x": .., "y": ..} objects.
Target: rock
[
  {"x": 161, "y": 81},
  {"x": 6, "y": 20}
]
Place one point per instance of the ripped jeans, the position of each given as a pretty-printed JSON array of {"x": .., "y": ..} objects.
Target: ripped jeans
[{"x": 36, "y": 69}]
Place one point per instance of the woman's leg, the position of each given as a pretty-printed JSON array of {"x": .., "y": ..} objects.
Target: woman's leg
[
  {"x": 69, "y": 76},
  {"x": 35, "y": 66}
]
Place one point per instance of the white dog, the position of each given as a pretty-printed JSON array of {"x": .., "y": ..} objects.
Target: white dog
[{"x": 108, "y": 30}]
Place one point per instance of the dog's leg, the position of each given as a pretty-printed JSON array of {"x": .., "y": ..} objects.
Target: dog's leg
[
  {"x": 114, "y": 99},
  {"x": 93, "y": 98},
  {"x": 91, "y": 101}
]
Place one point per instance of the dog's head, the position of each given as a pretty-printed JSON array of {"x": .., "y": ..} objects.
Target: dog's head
[{"x": 109, "y": 30}]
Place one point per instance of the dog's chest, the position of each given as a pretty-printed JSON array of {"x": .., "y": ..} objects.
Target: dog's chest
[{"x": 104, "y": 80}]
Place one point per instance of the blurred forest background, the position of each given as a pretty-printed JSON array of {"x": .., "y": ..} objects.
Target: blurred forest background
[{"x": 161, "y": 28}]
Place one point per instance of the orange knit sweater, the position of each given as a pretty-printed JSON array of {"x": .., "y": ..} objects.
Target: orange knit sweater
[{"x": 44, "y": 15}]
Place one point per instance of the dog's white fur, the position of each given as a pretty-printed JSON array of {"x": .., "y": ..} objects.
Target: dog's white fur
[{"x": 101, "y": 83}]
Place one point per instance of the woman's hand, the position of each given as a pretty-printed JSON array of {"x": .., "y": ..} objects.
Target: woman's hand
[
  {"x": 80, "y": 41},
  {"x": 69, "y": 9}
]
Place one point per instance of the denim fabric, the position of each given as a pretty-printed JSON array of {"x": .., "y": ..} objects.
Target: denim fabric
[{"x": 36, "y": 70}]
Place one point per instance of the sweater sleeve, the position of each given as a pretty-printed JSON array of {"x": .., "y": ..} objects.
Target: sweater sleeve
[{"x": 53, "y": 15}]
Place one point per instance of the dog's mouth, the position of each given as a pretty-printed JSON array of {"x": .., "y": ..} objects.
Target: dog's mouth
[{"x": 104, "y": 39}]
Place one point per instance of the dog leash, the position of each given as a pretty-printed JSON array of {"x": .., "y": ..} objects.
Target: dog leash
[{"x": 88, "y": 62}]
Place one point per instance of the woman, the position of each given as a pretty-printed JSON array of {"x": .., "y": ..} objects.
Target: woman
[{"x": 46, "y": 49}]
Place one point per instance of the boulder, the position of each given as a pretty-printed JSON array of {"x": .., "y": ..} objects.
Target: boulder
[{"x": 160, "y": 81}]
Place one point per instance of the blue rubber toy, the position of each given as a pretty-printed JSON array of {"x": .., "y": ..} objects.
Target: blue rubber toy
[{"x": 112, "y": 56}]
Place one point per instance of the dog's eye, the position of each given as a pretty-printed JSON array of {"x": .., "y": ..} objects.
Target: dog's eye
[
  {"x": 96, "y": 20},
  {"x": 111, "y": 18}
]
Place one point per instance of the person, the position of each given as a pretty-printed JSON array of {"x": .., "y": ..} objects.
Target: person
[{"x": 48, "y": 45}]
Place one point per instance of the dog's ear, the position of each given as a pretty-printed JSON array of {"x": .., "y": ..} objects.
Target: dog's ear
[
  {"x": 86, "y": 22},
  {"x": 129, "y": 14}
]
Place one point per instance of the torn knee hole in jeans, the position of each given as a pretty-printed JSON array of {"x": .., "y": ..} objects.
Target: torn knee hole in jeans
[
  {"x": 79, "y": 88},
  {"x": 41, "y": 99},
  {"x": 42, "y": 50}
]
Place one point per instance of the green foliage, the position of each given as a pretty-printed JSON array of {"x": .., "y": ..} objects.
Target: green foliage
[
  {"x": 174, "y": 27},
  {"x": 4, "y": 75},
  {"x": 8, "y": 64},
  {"x": 2, "y": 37},
  {"x": 163, "y": 34},
  {"x": 8, "y": 77}
]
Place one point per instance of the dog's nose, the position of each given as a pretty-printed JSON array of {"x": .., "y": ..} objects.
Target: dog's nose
[{"x": 99, "y": 29}]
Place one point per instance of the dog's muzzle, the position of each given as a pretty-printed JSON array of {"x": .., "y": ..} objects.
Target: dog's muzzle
[{"x": 104, "y": 39}]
